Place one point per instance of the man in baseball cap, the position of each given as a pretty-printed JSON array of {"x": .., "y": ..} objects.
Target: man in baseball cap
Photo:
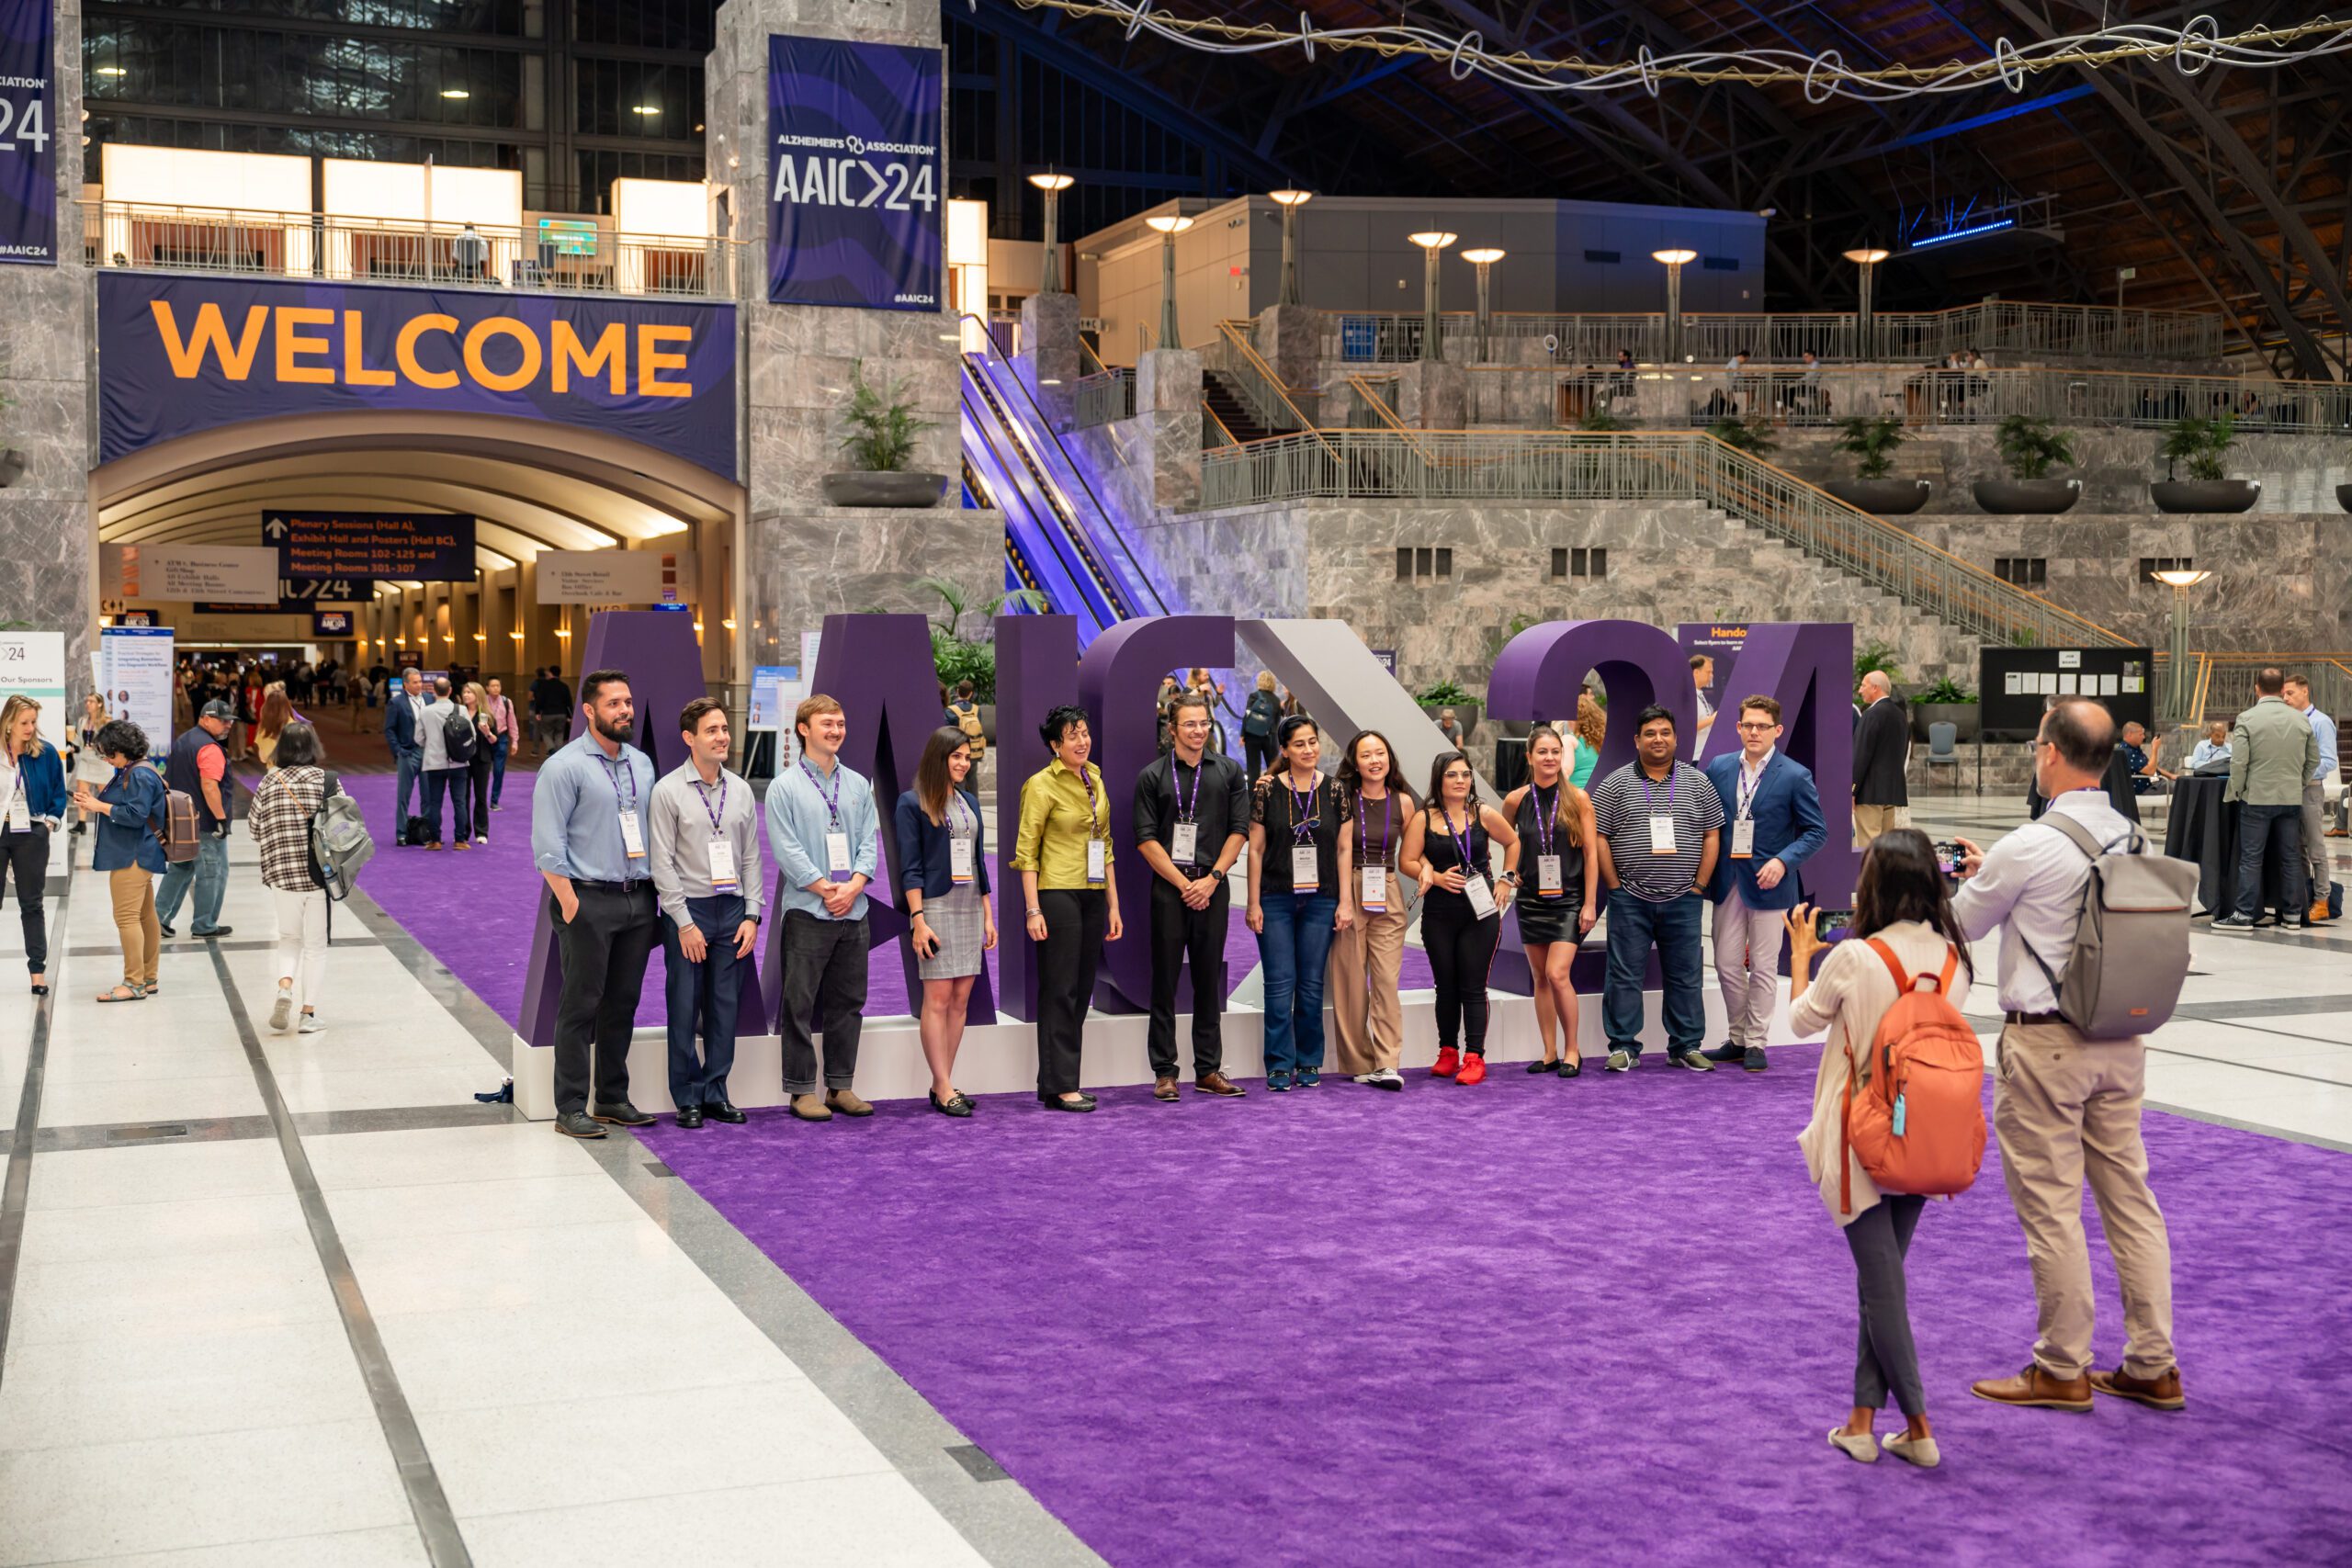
[{"x": 199, "y": 767}]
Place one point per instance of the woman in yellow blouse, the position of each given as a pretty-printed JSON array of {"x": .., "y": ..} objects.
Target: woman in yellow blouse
[{"x": 1063, "y": 854}]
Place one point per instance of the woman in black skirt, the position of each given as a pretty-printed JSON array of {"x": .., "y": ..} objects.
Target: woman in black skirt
[{"x": 1560, "y": 895}]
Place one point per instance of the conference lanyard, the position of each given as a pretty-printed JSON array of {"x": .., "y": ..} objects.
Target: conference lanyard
[
  {"x": 1743, "y": 825},
  {"x": 722, "y": 854},
  {"x": 836, "y": 838},
  {"x": 1098, "y": 865},
  {"x": 1184, "y": 848},
  {"x": 1661, "y": 823},
  {"x": 1306, "y": 868},
  {"x": 960, "y": 845},
  {"x": 1474, "y": 882},
  {"x": 1375, "y": 866},
  {"x": 1547, "y": 860},
  {"x": 632, "y": 831}
]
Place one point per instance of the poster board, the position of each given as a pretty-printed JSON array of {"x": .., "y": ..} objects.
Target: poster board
[
  {"x": 32, "y": 664},
  {"x": 2013, "y": 681},
  {"x": 138, "y": 680}
]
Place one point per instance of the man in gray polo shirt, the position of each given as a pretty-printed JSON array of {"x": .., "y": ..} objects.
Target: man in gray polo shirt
[{"x": 1657, "y": 824}]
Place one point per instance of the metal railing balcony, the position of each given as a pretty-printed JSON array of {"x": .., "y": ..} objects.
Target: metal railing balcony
[
  {"x": 1270, "y": 403},
  {"x": 2224, "y": 684},
  {"x": 1104, "y": 397},
  {"x": 587, "y": 257}
]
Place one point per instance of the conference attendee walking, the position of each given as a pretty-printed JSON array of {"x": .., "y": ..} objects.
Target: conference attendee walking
[
  {"x": 506, "y": 738},
  {"x": 32, "y": 785},
  {"x": 1882, "y": 747},
  {"x": 130, "y": 807},
  {"x": 1658, "y": 825},
  {"x": 1258, "y": 716},
  {"x": 550, "y": 709},
  {"x": 1902, "y": 918},
  {"x": 589, "y": 841},
  {"x": 2066, "y": 1108},
  {"x": 1447, "y": 850},
  {"x": 1191, "y": 810},
  {"x": 90, "y": 766},
  {"x": 704, "y": 829},
  {"x": 963, "y": 713},
  {"x": 1561, "y": 900},
  {"x": 476, "y": 704},
  {"x": 446, "y": 734},
  {"x": 403, "y": 733},
  {"x": 1294, "y": 901},
  {"x": 944, "y": 884},
  {"x": 1063, "y": 853},
  {"x": 277, "y": 713},
  {"x": 823, "y": 827},
  {"x": 1775, "y": 826},
  {"x": 2274, "y": 752},
  {"x": 284, "y": 807},
  {"x": 2297, "y": 691},
  {"x": 198, "y": 767},
  {"x": 1368, "y": 948}
]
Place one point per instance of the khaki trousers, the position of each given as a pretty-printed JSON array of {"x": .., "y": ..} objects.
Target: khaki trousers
[
  {"x": 2066, "y": 1110},
  {"x": 1361, "y": 986},
  {"x": 133, "y": 891},
  {"x": 2315, "y": 839},
  {"x": 1747, "y": 967},
  {"x": 1870, "y": 822}
]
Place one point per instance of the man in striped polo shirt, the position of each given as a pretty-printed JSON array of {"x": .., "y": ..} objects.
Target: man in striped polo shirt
[{"x": 1659, "y": 823}]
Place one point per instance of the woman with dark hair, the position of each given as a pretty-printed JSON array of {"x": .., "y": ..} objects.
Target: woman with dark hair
[
  {"x": 280, "y": 821},
  {"x": 943, "y": 885},
  {"x": 1448, "y": 851},
  {"x": 1368, "y": 947},
  {"x": 1294, "y": 901},
  {"x": 32, "y": 804},
  {"x": 1063, "y": 854},
  {"x": 1903, "y": 918},
  {"x": 1554, "y": 818},
  {"x": 127, "y": 849}
]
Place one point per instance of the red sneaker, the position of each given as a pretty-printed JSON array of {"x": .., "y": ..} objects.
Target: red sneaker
[
  {"x": 1474, "y": 1068},
  {"x": 1447, "y": 1062}
]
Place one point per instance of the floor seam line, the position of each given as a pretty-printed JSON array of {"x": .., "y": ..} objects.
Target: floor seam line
[{"x": 16, "y": 1189}]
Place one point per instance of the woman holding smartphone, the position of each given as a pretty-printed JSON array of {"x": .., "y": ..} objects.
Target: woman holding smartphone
[
  {"x": 1553, "y": 820},
  {"x": 1295, "y": 899},
  {"x": 1446, "y": 849},
  {"x": 1368, "y": 948}
]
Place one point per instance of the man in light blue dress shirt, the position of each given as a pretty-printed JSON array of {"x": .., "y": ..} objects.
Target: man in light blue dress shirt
[
  {"x": 588, "y": 838},
  {"x": 823, "y": 827},
  {"x": 2298, "y": 691}
]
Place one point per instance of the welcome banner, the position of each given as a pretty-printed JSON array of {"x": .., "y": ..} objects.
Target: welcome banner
[
  {"x": 854, "y": 175},
  {"x": 179, "y": 354},
  {"x": 28, "y": 134}
]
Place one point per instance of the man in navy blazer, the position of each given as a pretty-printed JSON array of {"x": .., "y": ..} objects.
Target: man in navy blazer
[
  {"x": 1772, "y": 825},
  {"x": 408, "y": 747}
]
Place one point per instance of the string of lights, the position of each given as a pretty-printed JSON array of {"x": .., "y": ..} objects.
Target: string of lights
[{"x": 2191, "y": 49}]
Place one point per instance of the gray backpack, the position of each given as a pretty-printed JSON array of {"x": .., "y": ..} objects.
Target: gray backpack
[
  {"x": 340, "y": 842},
  {"x": 2130, "y": 949}
]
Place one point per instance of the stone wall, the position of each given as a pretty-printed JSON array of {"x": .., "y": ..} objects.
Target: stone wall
[{"x": 804, "y": 563}]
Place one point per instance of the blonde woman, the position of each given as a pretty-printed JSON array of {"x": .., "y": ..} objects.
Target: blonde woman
[
  {"x": 1259, "y": 719},
  {"x": 32, "y": 787},
  {"x": 89, "y": 767},
  {"x": 480, "y": 765},
  {"x": 277, "y": 713}
]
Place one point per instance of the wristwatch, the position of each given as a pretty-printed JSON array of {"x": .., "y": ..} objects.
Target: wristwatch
[{"x": 1511, "y": 877}]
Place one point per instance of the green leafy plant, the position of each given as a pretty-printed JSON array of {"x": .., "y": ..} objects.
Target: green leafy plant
[
  {"x": 1752, "y": 436},
  {"x": 1879, "y": 655},
  {"x": 2031, "y": 448},
  {"x": 957, "y": 658},
  {"x": 2024, "y": 638},
  {"x": 1599, "y": 419},
  {"x": 2198, "y": 443},
  {"x": 883, "y": 424},
  {"x": 1871, "y": 439},
  {"x": 1945, "y": 690},
  {"x": 1440, "y": 693}
]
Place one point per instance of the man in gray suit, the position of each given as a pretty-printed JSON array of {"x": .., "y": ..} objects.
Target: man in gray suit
[{"x": 2272, "y": 751}]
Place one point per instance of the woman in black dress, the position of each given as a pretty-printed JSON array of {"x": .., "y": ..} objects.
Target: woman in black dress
[
  {"x": 1446, "y": 849},
  {"x": 1554, "y": 819}
]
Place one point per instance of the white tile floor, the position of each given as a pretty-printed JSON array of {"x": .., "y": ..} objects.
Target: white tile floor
[{"x": 180, "y": 1385}]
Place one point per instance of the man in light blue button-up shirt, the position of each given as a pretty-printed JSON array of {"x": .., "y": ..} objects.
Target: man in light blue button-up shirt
[
  {"x": 2297, "y": 693},
  {"x": 824, "y": 829}
]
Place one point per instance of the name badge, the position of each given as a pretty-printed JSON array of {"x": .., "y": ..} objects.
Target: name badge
[
  {"x": 20, "y": 817},
  {"x": 837, "y": 855},
  {"x": 1743, "y": 839},
  {"x": 1662, "y": 834},
  {"x": 1305, "y": 871},
  {"x": 632, "y": 836},
  {"x": 959, "y": 860},
  {"x": 722, "y": 866},
  {"x": 1185, "y": 849},
  {"x": 1375, "y": 890},
  {"x": 1097, "y": 861},
  {"x": 1547, "y": 875},
  {"x": 1481, "y": 896}
]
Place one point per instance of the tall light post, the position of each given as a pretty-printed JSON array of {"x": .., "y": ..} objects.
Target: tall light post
[
  {"x": 1674, "y": 261},
  {"x": 1431, "y": 241},
  {"x": 1168, "y": 228},
  {"x": 1290, "y": 201},
  {"x": 2183, "y": 688},
  {"x": 1049, "y": 279},
  {"x": 1867, "y": 257},
  {"x": 1484, "y": 259}
]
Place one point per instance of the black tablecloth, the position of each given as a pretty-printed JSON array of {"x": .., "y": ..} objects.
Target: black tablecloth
[{"x": 2203, "y": 827}]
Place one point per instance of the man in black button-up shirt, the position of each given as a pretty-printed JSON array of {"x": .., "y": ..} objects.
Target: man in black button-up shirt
[{"x": 1192, "y": 811}]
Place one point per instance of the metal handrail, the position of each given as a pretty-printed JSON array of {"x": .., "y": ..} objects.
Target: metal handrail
[
  {"x": 2227, "y": 677},
  {"x": 1270, "y": 402},
  {"x": 1100, "y": 399}
]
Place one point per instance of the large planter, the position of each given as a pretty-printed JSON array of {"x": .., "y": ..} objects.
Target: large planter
[
  {"x": 1961, "y": 717},
  {"x": 2205, "y": 495},
  {"x": 1881, "y": 498},
  {"x": 2016, "y": 498},
  {"x": 1465, "y": 711},
  {"x": 2344, "y": 497},
  {"x": 862, "y": 487}
]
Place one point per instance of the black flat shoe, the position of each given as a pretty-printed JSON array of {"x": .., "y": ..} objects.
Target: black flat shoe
[
  {"x": 1571, "y": 1067},
  {"x": 40, "y": 990},
  {"x": 720, "y": 1111},
  {"x": 959, "y": 1106},
  {"x": 690, "y": 1117},
  {"x": 1543, "y": 1066},
  {"x": 1055, "y": 1102}
]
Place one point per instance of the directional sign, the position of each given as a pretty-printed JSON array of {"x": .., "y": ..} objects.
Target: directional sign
[
  {"x": 436, "y": 546},
  {"x": 301, "y": 596}
]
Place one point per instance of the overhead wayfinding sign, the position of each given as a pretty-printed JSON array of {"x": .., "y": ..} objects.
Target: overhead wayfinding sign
[
  {"x": 28, "y": 134},
  {"x": 428, "y": 547},
  {"x": 855, "y": 212}
]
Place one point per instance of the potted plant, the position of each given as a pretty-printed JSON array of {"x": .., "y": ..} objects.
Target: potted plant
[
  {"x": 1945, "y": 702},
  {"x": 957, "y": 658},
  {"x": 1873, "y": 441},
  {"x": 1752, "y": 436},
  {"x": 2029, "y": 448},
  {"x": 2197, "y": 444},
  {"x": 883, "y": 428},
  {"x": 1881, "y": 656},
  {"x": 1442, "y": 695}
]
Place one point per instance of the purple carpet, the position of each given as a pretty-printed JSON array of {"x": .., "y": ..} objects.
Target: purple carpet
[
  {"x": 466, "y": 908},
  {"x": 1541, "y": 1322}
]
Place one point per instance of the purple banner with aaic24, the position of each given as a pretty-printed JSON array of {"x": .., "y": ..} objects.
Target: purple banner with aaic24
[
  {"x": 177, "y": 354},
  {"x": 28, "y": 133},
  {"x": 854, "y": 175}
]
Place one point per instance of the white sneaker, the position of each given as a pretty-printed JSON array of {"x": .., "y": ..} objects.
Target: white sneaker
[
  {"x": 1387, "y": 1078},
  {"x": 310, "y": 1024},
  {"x": 280, "y": 1009}
]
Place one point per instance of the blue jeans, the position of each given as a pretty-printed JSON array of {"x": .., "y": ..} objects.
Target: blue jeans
[
  {"x": 498, "y": 768},
  {"x": 450, "y": 781},
  {"x": 1634, "y": 925},
  {"x": 408, "y": 765},
  {"x": 704, "y": 993},
  {"x": 208, "y": 871},
  {"x": 2280, "y": 830},
  {"x": 1297, "y": 948}
]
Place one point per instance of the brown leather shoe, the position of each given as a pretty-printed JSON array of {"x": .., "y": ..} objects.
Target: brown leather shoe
[
  {"x": 808, "y": 1108},
  {"x": 1218, "y": 1084},
  {"x": 2036, "y": 1388},
  {"x": 2162, "y": 1392},
  {"x": 1163, "y": 1088},
  {"x": 847, "y": 1103}
]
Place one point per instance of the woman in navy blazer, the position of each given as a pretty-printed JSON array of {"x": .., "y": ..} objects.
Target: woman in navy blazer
[
  {"x": 1772, "y": 825},
  {"x": 943, "y": 885},
  {"x": 32, "y": 777}
]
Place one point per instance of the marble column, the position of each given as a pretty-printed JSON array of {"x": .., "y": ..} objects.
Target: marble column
[
  {"x": 1168, "y": 404},
  {"x": 1049, "y": 359},
  {"x": 1290, "y": 340},
  {"x": 1433, "y": 395}
]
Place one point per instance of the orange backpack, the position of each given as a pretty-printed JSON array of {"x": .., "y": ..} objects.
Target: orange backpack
[{"x": 1918, "y": 1124}]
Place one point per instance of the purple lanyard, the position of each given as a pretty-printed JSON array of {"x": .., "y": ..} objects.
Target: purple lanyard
[
  {"x": 833, "y": 801},
  {"x": 955, "y": 805},
  {"x": 1748, "y": 790},
  {"x": 613, "y": 775},
  {"x": 1186, "y": 809},
  {"x": 1647, "y": 799},
  {"x": 1302, "y": 809},
  {"x": 703, "y": 795},
  {"x": 1093, "y": 826},
  {"x": 1461, "y": 844},
  {"x": 1363, "y": 835},
  {"x": 1543, "y": 816}
]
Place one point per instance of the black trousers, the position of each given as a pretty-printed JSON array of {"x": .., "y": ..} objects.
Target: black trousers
[
  {"x": 824, "y": 967},
  {"x": 1179, "y": 933},
  {"x": 26, "y": 855},
  {"x": 1259, "y": 749},
  {"x": 478, "y": 777},
  {"x": 605, "y": 949},
  {"x": 1461, "y": 949},
  {"x": 1077, "y": 921}
]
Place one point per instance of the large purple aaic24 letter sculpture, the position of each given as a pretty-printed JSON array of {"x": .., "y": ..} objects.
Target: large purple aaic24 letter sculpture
[{"x": 1808, "y": 668}]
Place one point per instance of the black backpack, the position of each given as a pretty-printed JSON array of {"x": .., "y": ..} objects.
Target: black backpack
[{"x": 457, "y": 736}]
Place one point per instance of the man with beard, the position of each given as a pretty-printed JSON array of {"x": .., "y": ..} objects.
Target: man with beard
[{"x": 588, "y": 835}]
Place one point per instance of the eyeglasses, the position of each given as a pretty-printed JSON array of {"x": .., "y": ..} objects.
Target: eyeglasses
[{"x": 1759, "y": 729}]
